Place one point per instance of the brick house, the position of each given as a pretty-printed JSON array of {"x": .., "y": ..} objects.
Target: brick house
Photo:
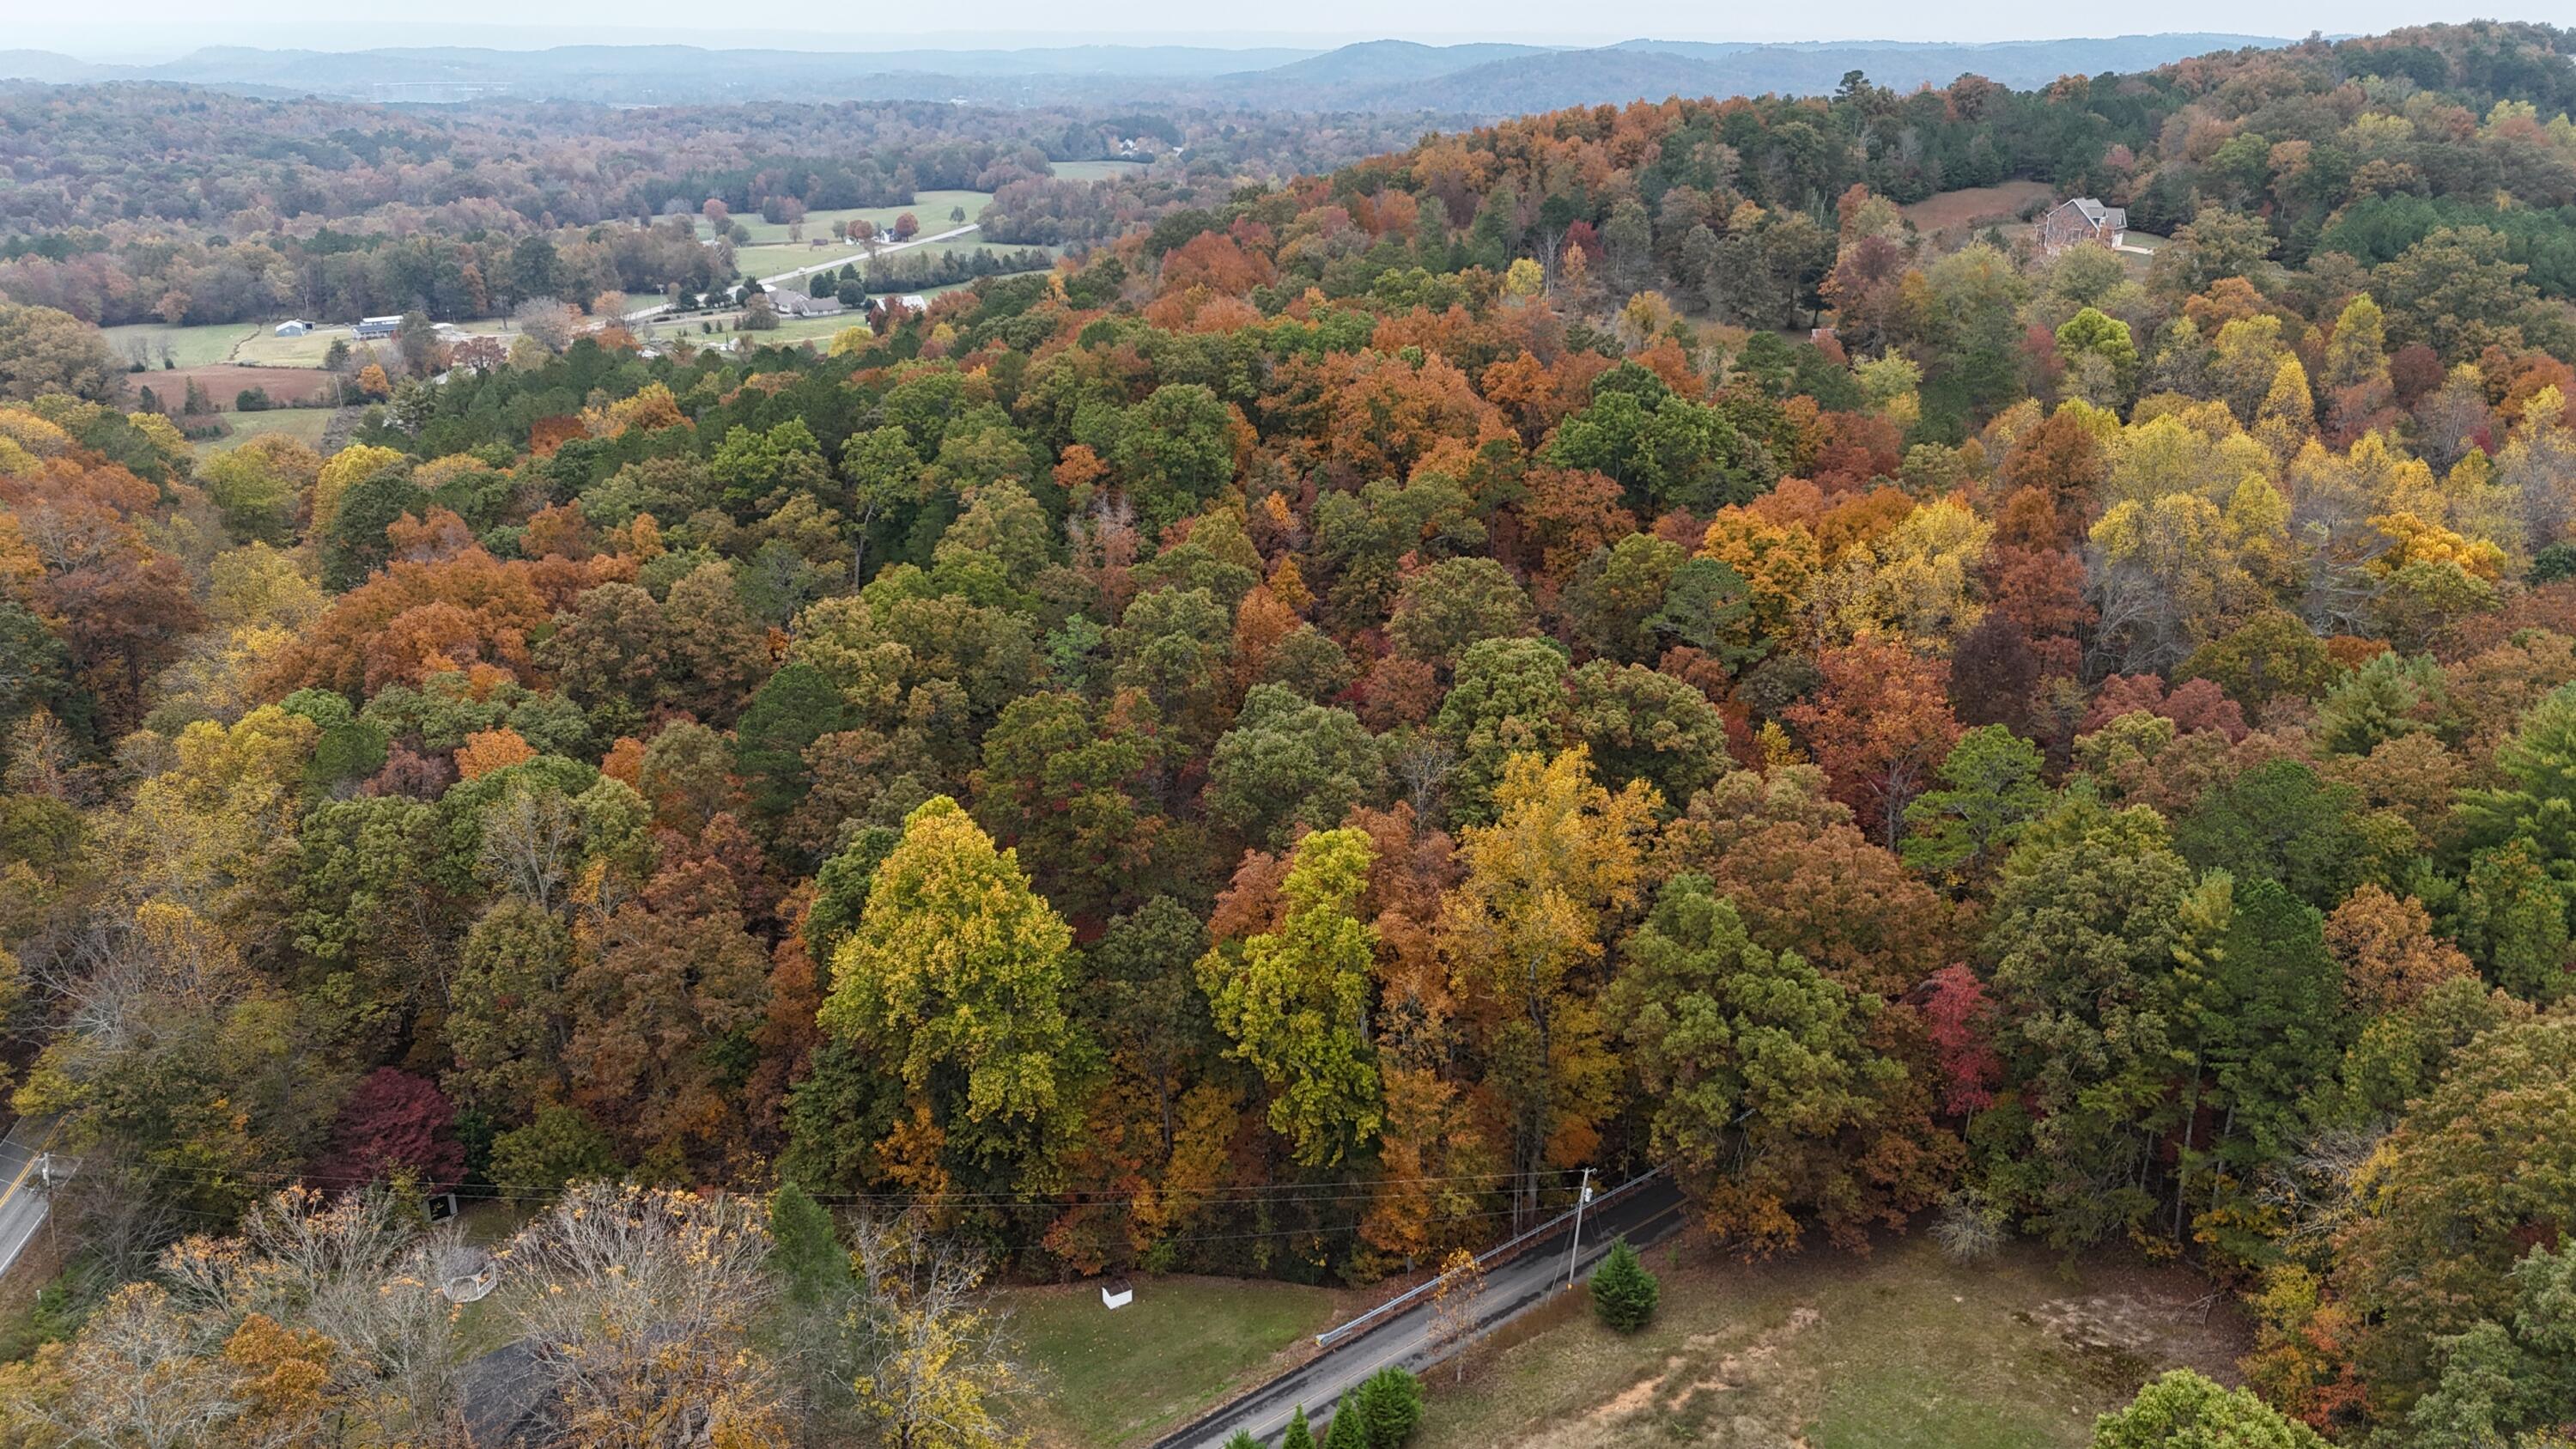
[{"x": 2082, "y": 219}]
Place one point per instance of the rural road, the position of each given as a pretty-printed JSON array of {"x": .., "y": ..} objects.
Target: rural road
[
  {"x": 22, "y": 1195},
  {"x": 1404, "y": 1338},
  {"x": 861, "y": 256},
  {"x": 641, "y": 314}
]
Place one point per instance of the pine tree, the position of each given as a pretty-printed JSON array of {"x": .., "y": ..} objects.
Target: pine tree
[
  {"x": 1346, "y": 1432},
  {"x": 1297, "y": 1435},
  {"x": 1388, "y": 1406},
  {"x": 1623, "y": 1292}
]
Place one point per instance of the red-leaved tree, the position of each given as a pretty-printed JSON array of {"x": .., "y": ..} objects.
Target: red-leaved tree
[{"x": 395, "y": 1123}]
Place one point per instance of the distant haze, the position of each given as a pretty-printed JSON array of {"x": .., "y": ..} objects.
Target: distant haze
[{"x": 146, "y": 30}]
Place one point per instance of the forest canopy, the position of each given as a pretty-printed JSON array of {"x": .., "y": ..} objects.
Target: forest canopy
[{"x": 1270, "y": 747}]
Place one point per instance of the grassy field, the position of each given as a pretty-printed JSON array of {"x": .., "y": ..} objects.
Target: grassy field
[
  {"x": 770, "y": 261},
  {"x": 303, "y": 424},
  {"x": 268, "y": 349},
  {"x": 1124, "y": 1377},
  {"x": 1957, "y": 213},
  {"x": 930, "y": 208},
  {"x": 189, "y": 346},
  {"x": 1831, "y": 1351},
  {"x": 1094, "y": 170}
]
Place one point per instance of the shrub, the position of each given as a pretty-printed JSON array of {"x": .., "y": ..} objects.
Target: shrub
[
  {"x": 1623, "y": 1292},
  {"x": 251, "y": 400},
  {"x": 1970, "y": 1228}
]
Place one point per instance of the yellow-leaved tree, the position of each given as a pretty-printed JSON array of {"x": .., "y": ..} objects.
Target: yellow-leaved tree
[{"x": 1546, "y": 883}]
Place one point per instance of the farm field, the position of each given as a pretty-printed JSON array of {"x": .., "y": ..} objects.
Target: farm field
[
  {"x": 1094, "y": 170},
  {"x": 1124, "y": 1377},
  {"x": 1836, "y": 1351},
  {"x": 224, "y": 381},
  {"x": 252, "y": 343}
]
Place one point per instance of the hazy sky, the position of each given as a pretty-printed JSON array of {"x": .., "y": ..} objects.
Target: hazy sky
[{"x": 157, "y": 29}]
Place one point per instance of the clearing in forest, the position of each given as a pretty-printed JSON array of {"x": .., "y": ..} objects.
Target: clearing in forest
[{"x": 1836, "y": 1351}]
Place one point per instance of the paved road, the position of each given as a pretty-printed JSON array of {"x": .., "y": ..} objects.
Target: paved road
[
  {"x": 642, "y": 314},
  {"x": 1404, "y": 1338},
  {"x": 22, "y": 1192}
]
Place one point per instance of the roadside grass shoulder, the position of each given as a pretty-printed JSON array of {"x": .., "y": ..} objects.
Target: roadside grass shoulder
[{"x": 1113, "y": 1378}]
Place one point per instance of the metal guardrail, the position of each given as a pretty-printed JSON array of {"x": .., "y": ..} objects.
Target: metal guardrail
[{"x": 1501, "y": 1252}]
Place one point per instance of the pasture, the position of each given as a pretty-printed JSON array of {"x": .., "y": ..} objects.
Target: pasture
[
  {"x": 930, "y": 208},
  {"x": 187, "y": 346},
  {"x": 305, "y": 425},
  {"x": 1094, "y": 170}
]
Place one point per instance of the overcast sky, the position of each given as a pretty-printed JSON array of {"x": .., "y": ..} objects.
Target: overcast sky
[{"x": 158, "y": 29}]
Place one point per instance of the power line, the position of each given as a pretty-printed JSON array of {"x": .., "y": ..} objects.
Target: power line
[{"x": 1232, "y": 1195}]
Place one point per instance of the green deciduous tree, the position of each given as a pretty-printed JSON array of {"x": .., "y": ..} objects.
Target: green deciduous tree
[
  {"x": 956, "y": 978},
  {"x": 1990, "y": 789},
  {"x": 1289, "y": 763},
  {"x": 2085, "y": 921},
  {"x": 1295, "y": 1002},
  {"x": 1769, "y": 1095},
  {"x": 2184, "y": 1410}
]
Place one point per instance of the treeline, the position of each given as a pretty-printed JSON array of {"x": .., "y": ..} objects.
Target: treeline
[
  {"x": 947, "y": 267},
  {"x": 333, "y": 276},
  {"x": 1270, "y": 749}
]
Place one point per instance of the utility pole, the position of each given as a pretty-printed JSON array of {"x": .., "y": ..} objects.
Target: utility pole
[{"x": 1581, "y": 1201}]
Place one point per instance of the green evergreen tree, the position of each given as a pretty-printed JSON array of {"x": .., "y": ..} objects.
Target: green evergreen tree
[
  {"x": 1297, "y": 1435},
  {"x": 1388, "y": 1406},
  {"x": 1623, "y": 1292},
  {"x": 1345, "y": 1432},
  {"x": 805, "y": 1253}
]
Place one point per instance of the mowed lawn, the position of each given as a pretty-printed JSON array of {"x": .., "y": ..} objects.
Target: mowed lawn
[
  {"x": 1111, "y": 1378},
  {"x": 1832, "y": 1351}
]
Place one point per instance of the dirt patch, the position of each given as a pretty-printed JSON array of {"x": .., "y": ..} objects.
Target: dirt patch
[
  {"x": 225, "y": 381},
  {"x": 1752, "y": 1393},
  {"x": 2123, "y": 1330},
  {"x": 1953, "y": 214}
]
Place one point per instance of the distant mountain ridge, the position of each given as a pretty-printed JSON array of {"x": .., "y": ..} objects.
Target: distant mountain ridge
[
  {"x": 1484, "y": 79},
  {"x": 1654, "y": 69}
]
